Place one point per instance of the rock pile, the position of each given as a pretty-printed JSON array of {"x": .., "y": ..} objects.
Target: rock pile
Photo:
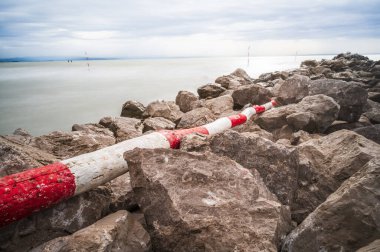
[{"x": 302, "y": 177}]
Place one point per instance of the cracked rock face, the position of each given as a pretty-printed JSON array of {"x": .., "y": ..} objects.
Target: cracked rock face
[{"x": 204, "y": 202}]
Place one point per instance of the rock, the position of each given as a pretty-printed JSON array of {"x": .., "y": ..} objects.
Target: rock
[
  {"x": 325, "y": 163},
  {"x": 339, "y": 125},
  {"x": 351, "y": 56},
  {"x": 309, "y": 63},
  {"x": 347, "y": 220},
  {"x": 186, "y": 101},
  {"x": 133, "y": 109},
  {"x": 157, "y": 123},
  {"x": 276, "y": 164},
  {"x": 122, "y": 197},
  {"x": 123, "y": 128},
  {"x": 253, "y": 128},
  {"x": 349, "y": 95},
  {"x": 301, "y": 137},
  {"x": 242, "y": 74},
  {"x": 92, "y": 128},
  {"x": 372, "y": 247},
  {"x": 196, "y": 117},
  {"x": 219, "y": 105},
  {"x": 195, "y": 142},
  {"x": 20, "y": 136},
  {"x": 65, "y": 218},
  {"x": 373, "y": 96},
  {"x": 370, "y": 132},
  {"x": 372, "y": 111},
  {"x": 116, "y": 232},
  {"x": 210, "y": 90},
  {"x": 237, "y": 78},
  {"x": 15, "y": 157},
  {"x": 312, "y": 114},
  {"x": 254, "y": 94},
  {"x": 204, "y": 202},
  {"x": 165, "y": 109},
  {"x": 292, "y": 90}
]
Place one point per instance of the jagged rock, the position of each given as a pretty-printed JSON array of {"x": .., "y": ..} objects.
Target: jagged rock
[
  {"x": 347, "y": 220},
  {"x": 133, "y": 109},
  {"x": 253, "y": 128},
  {"x": 20, "y": 136},
  {"x": 349, "y": 95},
  {"x": 372, "y": 111},
  {"x": 116, "y": 232},
  {"x": 309, "y": 63},
  {"x": 15, "y": 157},
  {"x": 123, "y": 128},
  {"x": 339, "y": 125},
  {"x": 292, "y": 90},
  {"x": 242, "y": 74},
  {"x": 268, "y": 77},
  {"x": 276, "y": 164},
  {"x": 350, "y": 56},
  {"x": 122, "y": 196},
  {"x": 157, "y": 123},
  {"x": 301, "y": 137},
  {"x": 313, "y": 114},
  {"x": 370, "y": 132},
  {"x": 196, "y": 117},
  {"x": 93, "y": 128},
  {"x": 204, "y": 202},
  {"x": 372, "y": 247},
  {"x": 165, "y": 109},
  {"x": 237, "y": 78},
  {"x": 219, "y": 105},
  {"x": 374, "y": 96},
  {"x": 66, "y": 217},
  {"x": 210, "y": 90},
  {"x": 194, "y": 142},
  {"x": 325, "y": 163},
  {"x": 254, "y": 94},
  {"x": 186, "y": 101}
]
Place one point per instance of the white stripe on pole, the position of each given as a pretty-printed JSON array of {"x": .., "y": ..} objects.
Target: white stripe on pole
[
  {"x": 218, "y": 126},
  {"x": 249, "y": 112}
]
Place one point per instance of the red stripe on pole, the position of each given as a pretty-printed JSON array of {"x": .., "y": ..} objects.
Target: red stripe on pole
[
  {"x": 259, "y": 109},
  {"x": 174, "y": 137},
  {"x": 237, "y": 119},
  {"x": 32, "y": 190},
  {"x": 274, "y": 103}
]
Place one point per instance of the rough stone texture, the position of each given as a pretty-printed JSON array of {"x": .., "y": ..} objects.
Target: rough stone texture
[
  {"x": 65, "y": 218},
  {"x": 186, "y": 101},
  {"x": 349, "y": 95},
  {"x": 210, "y": 90},
  {"x": 234, "y": 80},
  {"x": 253, "y": 94},
  {"x": 309, "y": 63},
  {"x": 123, "y": 128},
  {"x": 122, "y": 196},
  {"x": 203, "y": 202},
  {"x": 219, "y": 105},
  {"x": 250, "y": 126},
  {"x": 116, "y": 232},
  {"x": 370, "y": 132},
  {"x": 372, "y": 111},
  {"x": 20, "y": 136},
  {"x": 165, "y": 109},
  {"x": 302, "y": 136},
  {"x": 325, "y": 163},
  {"x": 313, "y": 114},
  {"x": 292, "y": 90},
  {"x": 132, "y": 109},
  {"x": 92, "y": 128},
  {"x": 241, "y": 73},
  {"x": 372, "y": 247},
  {"x": 347, "y": 220},
  {"x": 276, "y": 164},
  {"x": 195, "y": 142},
  {"x": 157, "y": 123},
  {"x": 374, "y": 96},
  {"x": 15, "y": 157},
  {"x": 196, "y": 117},
  {"x": 339, "y": 125}
]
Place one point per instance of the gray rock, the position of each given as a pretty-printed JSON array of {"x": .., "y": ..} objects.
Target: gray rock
[
  {"x": 186, "y": 101},
  {"x": 132, "y": 109},
  {"x": 292, "y": 90},
  {"x": 254, "y": 94},
  {"x": 372, "y": 111},
  {"x": 122, "y": 197},
  {"x": 237, "y": 78},
  {"x": 20, "y": 136},
  {"x": 165, "y": 109},
  {"x": 196, "y": 117},
  {"x": 219, "y": 105},
  {"x": 204, "y": 202},
  {"x": 195, "y": 142},
  {"x": 123, "y": 127},
  {"x": 373, "y": 96},
  {"x": 370, "y": 132},
  {"x": 339, "y": 125},
  {"x": 211, "y": 90},
  {"x": 309, "y": 63},
  {"x": 372, "y": 247},
  {"x": 157, "y": 123}
]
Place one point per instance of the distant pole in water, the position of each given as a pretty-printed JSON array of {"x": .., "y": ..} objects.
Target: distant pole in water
[
  {"x": 249, "y": 47},
  {"x": 88, "y": 64},
  {"x": 295, "y": 57}
]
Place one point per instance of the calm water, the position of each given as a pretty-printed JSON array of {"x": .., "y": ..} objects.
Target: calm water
[{"x": 45, "y": 96}]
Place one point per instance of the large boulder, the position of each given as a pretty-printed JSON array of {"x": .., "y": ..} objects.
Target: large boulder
[
  {"x": 371, "y": 132},
  {"x": 123, "y": 127},
  {"x": 349, "y": 95},
  {"x": 116, "y": 232},
  {"x": 196, "y": 117},
  {"x": 20, "y": 136},
  {"x": 292, "y": 90},
  {"x": 276, "y": 164},
  {"x": 204, "y": 202},
  {"x": 325, "y": 163},
  {"x": 210, "y": 90},
  {"x": 313, "y": 114},
  {"x": 165, "y": 109},
  {"x": 347, "y": 220},
  {"x": 253, "y": 94},
  {"x": 132, "y": 109},
  {"x": 219, "y": 105},
  {"x": 372, "y": 111},
  {"x": 186, "y": 101},
  {"x": 157, "y": 123}
]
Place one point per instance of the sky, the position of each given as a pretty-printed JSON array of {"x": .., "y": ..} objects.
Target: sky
[{"x": 183, "y": 28}]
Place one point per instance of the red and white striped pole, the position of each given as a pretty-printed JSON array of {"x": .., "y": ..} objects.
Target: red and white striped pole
[{"x": 30, "y": 191}]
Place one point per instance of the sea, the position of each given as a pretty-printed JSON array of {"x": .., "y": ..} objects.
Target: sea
[{"x": 41, "y": 97}]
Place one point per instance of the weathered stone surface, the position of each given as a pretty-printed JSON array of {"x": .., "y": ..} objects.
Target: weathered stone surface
[
  {"x": 339, "y": 125},
  {"x": 132, "y": 109},
  {"x": 237, "y": 78},
  {"x": 325, "y": 163},
  {"x": 204, "y": 202},
  {"x": 92, "y": 128},
  {"x": 219, "y": 105},
  {"x": 292, "y": 90},
  {"x": 347, "y": 220},
  {"x": 195, "y": 142},
  {"x": 370, "y": 132},
  {"x": 210, "y": 90},
  {"x": 372, "y": 111},
  {"x": 196, "y": 117},
  {"x": 250, "y": 126},
  {"x": 123, "y": 128},
  {"x": 116, "y": 232},
  {"x": 157, "y": 123},
  {"x": 241, "y": 73},
  {"x": 372, "y": 247},
  {"x": 349, "y": 95},
  {"x": 374, "y": 96},
  {"x": 20, "y": 136},
  {"x": 254, "y": 94},
  {"x": 276, "y": 164},
  {"x": 313, "y": 114},
  {"x": 122, "y": 196},
  {"x": 309, "y": 63},
  {"x": 186, "y": 101},
  {"x": 165, "y": 109},
  {"x": 15, "y": 157},
  {"x": 302, "y": 136}
]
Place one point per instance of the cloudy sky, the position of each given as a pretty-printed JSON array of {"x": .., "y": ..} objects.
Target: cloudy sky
[{"x": 173, "y": 28}]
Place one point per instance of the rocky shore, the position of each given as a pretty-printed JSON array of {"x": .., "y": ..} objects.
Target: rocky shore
[{"x": 302, "y": 177}]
